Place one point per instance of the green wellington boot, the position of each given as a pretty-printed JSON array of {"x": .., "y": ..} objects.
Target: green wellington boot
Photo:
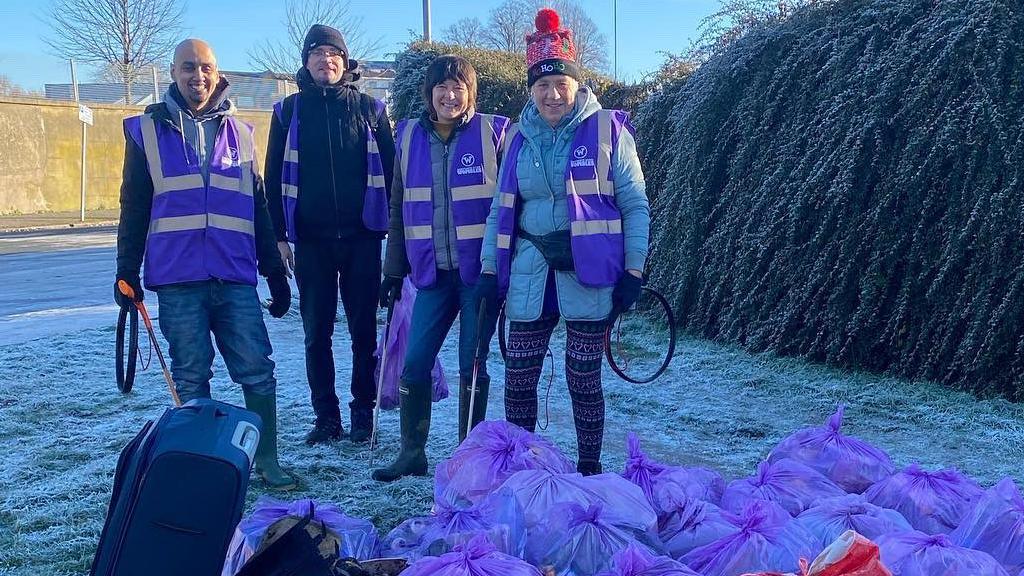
[
  {"x": 414, "y": 403},
  {"x": 266, "y": 464},
  {"x": 483, "y": 385}
]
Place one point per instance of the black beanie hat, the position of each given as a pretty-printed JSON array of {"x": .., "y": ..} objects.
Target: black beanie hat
[{"x": 320, "y": 35}]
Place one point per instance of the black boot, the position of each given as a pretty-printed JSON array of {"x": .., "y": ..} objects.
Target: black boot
[
  {"x": 414, "y": 403},
  {"x": 360, "y": 424},
  {"x": 483, "y": 385},
  {"x": 588, "y": 467},
  {"x": 325, "y": 431}
]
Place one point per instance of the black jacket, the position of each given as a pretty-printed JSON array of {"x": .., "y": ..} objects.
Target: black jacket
[
  {"x": 332, "y": 160},
  {"x": 137, "y": 197}
]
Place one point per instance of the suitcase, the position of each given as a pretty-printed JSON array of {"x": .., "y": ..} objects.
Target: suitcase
[{"x": 179, "y": 491}]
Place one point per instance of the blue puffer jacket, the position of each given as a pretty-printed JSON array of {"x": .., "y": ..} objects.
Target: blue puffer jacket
[{"x": 544, "y": 209}]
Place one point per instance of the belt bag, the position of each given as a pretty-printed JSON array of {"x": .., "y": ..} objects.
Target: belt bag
[{"x": 556, "y": 247}]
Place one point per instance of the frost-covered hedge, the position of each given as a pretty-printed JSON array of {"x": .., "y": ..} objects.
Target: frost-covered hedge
[
  {"x": 501, "y": 79},
  {"x": 848, "y": 187}
]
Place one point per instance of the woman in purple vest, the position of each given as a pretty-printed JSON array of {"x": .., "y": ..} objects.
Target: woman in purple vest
[
  {"x": 441, "y": 195},
  {"x": 566, "y": 236}
]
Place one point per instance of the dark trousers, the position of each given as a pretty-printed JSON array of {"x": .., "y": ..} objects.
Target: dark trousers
[{"x": 323, "y": 269}]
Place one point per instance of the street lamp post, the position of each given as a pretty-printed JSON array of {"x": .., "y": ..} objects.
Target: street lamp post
[{"x": 426, "y": 20}]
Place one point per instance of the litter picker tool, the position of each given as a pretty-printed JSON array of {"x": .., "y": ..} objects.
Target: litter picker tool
[
  {"x": 477, "y": 358},
  {"x": 380, "y": 377},
  {"x": 127, "y": 291}
]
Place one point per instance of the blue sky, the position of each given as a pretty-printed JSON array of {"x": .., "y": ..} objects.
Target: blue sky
[{"x": 646, "y": 27}]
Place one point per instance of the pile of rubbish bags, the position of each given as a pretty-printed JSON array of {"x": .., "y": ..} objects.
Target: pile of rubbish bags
[{"x": 508, "y": 502}]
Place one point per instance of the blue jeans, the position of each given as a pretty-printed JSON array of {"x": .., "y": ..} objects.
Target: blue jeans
[
  {"x": 190, "y": 311},
  {"x": 432, "y": 317}
]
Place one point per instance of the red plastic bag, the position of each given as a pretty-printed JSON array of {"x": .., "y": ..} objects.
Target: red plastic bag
[{"x": 850, "y": 555}]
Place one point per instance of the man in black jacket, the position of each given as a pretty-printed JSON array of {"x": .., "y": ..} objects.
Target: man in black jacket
[
  {"x": 193, "y": 205},
  {"x": 329, "y": 164}
]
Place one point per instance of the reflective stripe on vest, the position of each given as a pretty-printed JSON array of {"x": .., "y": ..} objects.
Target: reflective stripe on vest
[
  {"x": 199, "y": 230},
  {"x": 595, "y": 223},
  {"x": 472, "y": 177},
  {"x": 375, "y": 200}
]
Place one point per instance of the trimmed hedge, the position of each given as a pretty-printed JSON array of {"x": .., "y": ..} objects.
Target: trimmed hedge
[{"x": 849, "y": 187}]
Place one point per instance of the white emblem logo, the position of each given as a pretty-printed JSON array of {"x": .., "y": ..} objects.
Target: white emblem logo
[
  {"x": 580, "y": 152},
  {"x": 468, "y": 159}
]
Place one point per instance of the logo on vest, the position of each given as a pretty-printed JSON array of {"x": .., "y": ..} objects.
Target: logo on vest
[
  {"x": 581, "y": 157},
  {"x": 467, "y": 162},
  {"x": 230, "y": 158}
]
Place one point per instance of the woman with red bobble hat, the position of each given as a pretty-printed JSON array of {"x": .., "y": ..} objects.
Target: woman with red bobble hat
[{"x": 567, "y": 234}]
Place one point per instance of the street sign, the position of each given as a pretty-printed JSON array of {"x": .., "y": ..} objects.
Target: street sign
[{"x": 85, "y": 114}]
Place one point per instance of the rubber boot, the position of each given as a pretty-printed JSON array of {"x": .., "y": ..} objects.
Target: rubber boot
[
  {"x": 266, "y": 465},
  {"x": 414, "y": 403},
  {"x": 483, "y": 385}
]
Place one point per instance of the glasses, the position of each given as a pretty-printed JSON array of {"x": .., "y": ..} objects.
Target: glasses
[{"x": 326, "y": 54}]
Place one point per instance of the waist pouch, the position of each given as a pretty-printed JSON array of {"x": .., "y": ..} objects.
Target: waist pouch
[{"x": 556, "y": 247}]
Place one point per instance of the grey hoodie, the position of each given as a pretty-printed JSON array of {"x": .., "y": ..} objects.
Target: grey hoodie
[{"x": 200, "y": 132}]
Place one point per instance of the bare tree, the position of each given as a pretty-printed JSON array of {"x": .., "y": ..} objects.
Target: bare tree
[
  {"x": 510, "y": 22},
  {"x": 591, "y": 43},
  {"x": 465, "y": 32},
  {"x": 285, "y": 56},
  {"x": 125, "y": 36},
  {"x": 9, "y": 88}
]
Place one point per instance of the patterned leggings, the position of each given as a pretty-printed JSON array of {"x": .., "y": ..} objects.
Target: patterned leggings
[{"x": 527, "y": 346}]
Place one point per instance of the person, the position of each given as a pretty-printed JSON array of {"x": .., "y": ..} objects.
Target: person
[
  {"x": 329, "y": 165},
  {"x": 566, "y": 236},
  {"x": 447, "y": 171},
  {"x": 193, "y": 206}
]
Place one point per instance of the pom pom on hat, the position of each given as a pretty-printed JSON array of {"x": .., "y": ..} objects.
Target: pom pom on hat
[{"x": 547, "y": 20}]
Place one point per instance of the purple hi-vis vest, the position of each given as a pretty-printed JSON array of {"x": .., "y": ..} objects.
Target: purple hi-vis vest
[
  {"x": 595, "y": 223},
  {"x": 375, "y": 200},
  {"x": 198, "y": 230},
  {"x": 472, "y": 178}
]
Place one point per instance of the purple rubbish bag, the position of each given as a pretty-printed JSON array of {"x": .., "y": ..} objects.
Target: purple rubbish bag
[
  {"x": 933, "y": 502},
  {"x": 996, "y": 525},
  {"x": 498, "y": 517},
  {"x": 356, "y": 538},
  {"x": 698, "y": 483},
  {"x": 787, "y": 483},
  {"x": 406, "y": 539},
  {"x": 634, "y": 560},
  {"x": 915, "y": 553},
  {"x": 575, "y": 540},
  {"x": 493, "y": 452},
  {"x": 475, "y": 558},
  {"x": 764, "y": 538},
  {"x": 686, "y": 523},
  {"x": 539, "y": 491},
  {"x": 830, "y": 518},
  {"x": 641, "y": 469},
  {"x": 853, "y": 464},
  {"x": 398, "y": 337}
]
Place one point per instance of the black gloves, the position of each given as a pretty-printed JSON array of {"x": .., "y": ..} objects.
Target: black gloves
[
  {"x": 280, "y": 295},
  {"x": 132, "y": 279},
  {"x": 625, "y": 294},
  {"x": 390, "y": 290},
  {"x": 487, "y": 290}
]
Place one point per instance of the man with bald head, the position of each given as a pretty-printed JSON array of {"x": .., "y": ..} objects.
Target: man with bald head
[{"x": 194, "y": 209}]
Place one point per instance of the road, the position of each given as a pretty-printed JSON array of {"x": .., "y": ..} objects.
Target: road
[{"x": 55, "y": 282}]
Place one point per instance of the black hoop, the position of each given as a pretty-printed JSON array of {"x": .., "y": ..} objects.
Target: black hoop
[
  {"x": 669, "y": 317},
  {"x": 124, "y": 368},
  {"x": 502, "y": 341}
]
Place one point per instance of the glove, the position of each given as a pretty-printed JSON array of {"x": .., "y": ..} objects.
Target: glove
[
  {"x": 280, "y": 295},
  {"x": 132, "y": 279},
  {"x": 487, "y": 290},
  {"x": 625, "y": 294},
  {"x": 390, "y": 290}
]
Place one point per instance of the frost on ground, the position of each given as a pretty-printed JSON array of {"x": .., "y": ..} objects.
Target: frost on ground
[{"x": 63, "y": 422}]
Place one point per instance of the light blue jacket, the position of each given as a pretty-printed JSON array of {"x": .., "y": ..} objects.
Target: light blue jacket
[{"x": 543, "y": 209}]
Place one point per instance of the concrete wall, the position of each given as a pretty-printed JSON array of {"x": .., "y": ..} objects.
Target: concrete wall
[{"x": 41, "y": 154}]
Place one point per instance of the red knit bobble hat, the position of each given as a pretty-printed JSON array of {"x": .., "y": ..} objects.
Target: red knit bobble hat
[{"x": 550, "y": 50}]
